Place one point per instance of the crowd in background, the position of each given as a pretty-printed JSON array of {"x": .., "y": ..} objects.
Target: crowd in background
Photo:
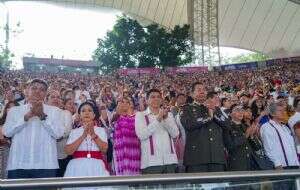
[{"x": 55, "y": 125}]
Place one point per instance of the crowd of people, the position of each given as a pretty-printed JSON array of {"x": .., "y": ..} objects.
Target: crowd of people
[{"x": 56, "y": 125}]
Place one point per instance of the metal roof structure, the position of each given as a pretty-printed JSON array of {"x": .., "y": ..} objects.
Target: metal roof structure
[{"x": 268, "y": 26}]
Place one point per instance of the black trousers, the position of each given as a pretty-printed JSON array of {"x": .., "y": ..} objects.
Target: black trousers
[
  {"x": 287, "y": 184},
  {"x": 62, "y": 166},
  {"x": 205, "y": 168},
  {"x": 160, "y": 169},
  {"x": 35, "y": 173}
]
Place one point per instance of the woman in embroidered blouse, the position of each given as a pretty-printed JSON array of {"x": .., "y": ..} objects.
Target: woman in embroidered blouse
[
  {"x": 126, "y": 144},
  {"x": 87, "y": 144}
]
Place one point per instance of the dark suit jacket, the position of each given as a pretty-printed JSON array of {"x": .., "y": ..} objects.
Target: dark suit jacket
[
  {"x": 204, "y": 137},
  {"x": 239, "y": 147}
]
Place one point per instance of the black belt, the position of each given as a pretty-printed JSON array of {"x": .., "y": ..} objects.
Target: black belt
[{"x": 291, "y": 167}]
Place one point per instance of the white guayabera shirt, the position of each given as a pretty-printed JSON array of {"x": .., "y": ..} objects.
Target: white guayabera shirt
[
  {"x": 33, "y": 142},
  {"x": 272, "y": 145},
  {"x": 161, "y": 134}
]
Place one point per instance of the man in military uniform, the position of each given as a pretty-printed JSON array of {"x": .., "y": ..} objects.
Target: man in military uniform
[{"x": 204, "y": 149}]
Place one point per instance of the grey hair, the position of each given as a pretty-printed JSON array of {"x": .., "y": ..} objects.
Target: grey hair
[{"x": 272, "y": 108}]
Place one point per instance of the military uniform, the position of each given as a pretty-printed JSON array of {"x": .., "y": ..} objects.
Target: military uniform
[
  {"x": 239, "y": 147},
  {"x": 204, "y": 149}
]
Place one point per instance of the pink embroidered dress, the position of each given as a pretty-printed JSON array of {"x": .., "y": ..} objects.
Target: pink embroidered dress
[{"x": 126, "y": 150}]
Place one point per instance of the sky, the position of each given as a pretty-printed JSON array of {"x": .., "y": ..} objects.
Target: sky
[{"x": 48, "y": 29}]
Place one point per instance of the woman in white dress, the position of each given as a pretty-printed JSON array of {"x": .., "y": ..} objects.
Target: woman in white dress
[{"x": 87, "y": 144}]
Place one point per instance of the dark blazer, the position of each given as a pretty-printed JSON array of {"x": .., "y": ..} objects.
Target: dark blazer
[
  {"x": 204, "y": 137},
  {"x": 239, "y": 147}
]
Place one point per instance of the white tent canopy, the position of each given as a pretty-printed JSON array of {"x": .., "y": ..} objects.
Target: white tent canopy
[{"x": 268, "y": 26}]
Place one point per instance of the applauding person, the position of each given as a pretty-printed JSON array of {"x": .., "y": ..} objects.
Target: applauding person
[
  {"x": 204, "y": 149},
  {"x": 87, "y": 144},
  {"x": 34, "y": 128},
  {"x": 126, "y": 147},
  {"x": 156, "y": 128}
]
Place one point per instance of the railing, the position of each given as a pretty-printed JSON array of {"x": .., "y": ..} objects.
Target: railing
[{"x": 195, "y": 178}]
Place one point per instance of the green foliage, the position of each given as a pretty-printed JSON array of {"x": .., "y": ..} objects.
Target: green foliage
[
  {"x": 129, "y": 45},
  {"x": 5, "y": 58},
  {"x": 244, "y": 58}
]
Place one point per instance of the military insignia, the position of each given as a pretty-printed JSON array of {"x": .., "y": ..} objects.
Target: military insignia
[
  {"x": 181, "y": 113},
  {"x": 217, "y": 118},
  {"x": 206, "y": 120},
  {"x": 222, "y": 118}
]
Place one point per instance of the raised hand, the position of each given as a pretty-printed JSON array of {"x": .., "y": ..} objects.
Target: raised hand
[
  {"x": 37, "y": 108},
  {"x": 86, "y": 131},
  {"x": 166, "y": 111},
  {"x": 92, "y": 132},
  {"x": 251, "y": 131},
  {"x": 160, "y": 116}
]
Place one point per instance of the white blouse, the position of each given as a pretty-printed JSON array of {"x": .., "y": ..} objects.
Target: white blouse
[{"x": 88, "y": 144}]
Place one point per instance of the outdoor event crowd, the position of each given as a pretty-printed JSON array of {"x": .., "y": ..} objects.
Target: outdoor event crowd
[{"x": 55, "y": 125}]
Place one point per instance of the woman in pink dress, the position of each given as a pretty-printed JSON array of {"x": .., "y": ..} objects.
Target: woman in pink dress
[{"x": 126, "y": 148}]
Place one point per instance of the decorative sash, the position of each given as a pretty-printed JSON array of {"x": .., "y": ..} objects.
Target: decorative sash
[
  {"x": 151, "y": 139},
  {"x": 91, "y": 154},
  {"x": 281, "y": 143}
]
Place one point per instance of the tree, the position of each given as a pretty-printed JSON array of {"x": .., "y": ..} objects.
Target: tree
[
  {"x": 5, "y": 54},
  {"x": 120, "y": 47},
  {"x": 129, "y": 45},
  {"x": 5, "y": 58},
  {"x": 244, "y": 58}
]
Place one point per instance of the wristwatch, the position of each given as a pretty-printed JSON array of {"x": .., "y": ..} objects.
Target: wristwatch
[{"x": 43, "y": 117}]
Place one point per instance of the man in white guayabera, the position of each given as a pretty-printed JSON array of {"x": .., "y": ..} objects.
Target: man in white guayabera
[{"x": 33, "y": 128}]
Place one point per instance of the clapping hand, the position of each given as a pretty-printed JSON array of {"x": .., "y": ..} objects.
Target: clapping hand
[
  {"x": 160, "y": 115},
  {"x": 211, "y": 107},
  {"x": 36, "y": 110},
  {"x": 166, "y": 110},
  {"x": 163, "y": 113},
  {"x": 92, "y": 132},
  {"x": 252, "y": 130},
  {"x": 88, "y": 129}
]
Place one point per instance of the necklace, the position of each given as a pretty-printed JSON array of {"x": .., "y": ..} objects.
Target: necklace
[{"x": 89, "y": 145}]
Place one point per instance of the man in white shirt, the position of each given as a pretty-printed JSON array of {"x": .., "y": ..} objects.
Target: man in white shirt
[
  {"x": 54, "y": 99},
  {"x": 278, "y": 139},
  {"x": 294, "y": 123},
  {"x": 34, "y": 128},
  {"x": 156, "y": 129}
]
